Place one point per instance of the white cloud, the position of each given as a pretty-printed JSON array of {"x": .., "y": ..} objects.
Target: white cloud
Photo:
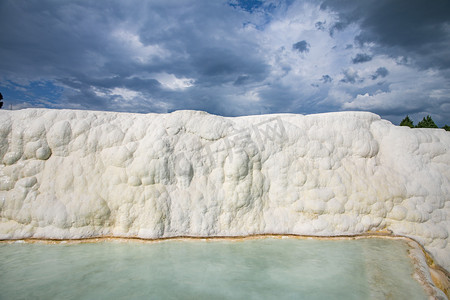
[
  {"x": 208, "y": 55},
  {"x": 126, "y": 94},
  {"x": 139, "y": 52},
  {"x": 172, "y": 82}
]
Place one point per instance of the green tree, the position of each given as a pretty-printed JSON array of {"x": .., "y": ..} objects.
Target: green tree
[
  {"x": 407, "y": 122},
  {"x": 446, "y": 127},
  {"x": 427, "y": 122}
]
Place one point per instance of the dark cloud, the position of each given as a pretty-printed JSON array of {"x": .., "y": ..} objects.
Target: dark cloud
[
  {"x": 337, "y": 27},
  {"x": 301, "y": 46},
  {"x": 361, "y": 58},
  {"x": 415, "y": 28},
  {"x": 326, "y": 79},
  {"x": 133, "y": 83},
  {"x": 91, "y": 49},
  {"x": 242, "y": 79},
  {"x": 226, "y": 57},
  {"x": 320, "y": 25},
  {"x": 380, "y": 72},
  {"x": 221, "y": 65}
]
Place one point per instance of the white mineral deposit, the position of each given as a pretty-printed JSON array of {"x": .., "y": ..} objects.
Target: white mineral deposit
[{"x": 67, "y": 174}]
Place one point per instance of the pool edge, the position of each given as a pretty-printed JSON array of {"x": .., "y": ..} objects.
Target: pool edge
[{"x": 434, "y": 278}]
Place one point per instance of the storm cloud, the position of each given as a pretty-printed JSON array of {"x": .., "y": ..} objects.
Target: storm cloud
[
  {"x": 228, "y": 57},
  {"x": 326, "y": 79},
  {"x": 415, "y": 28},
  {"x": 301, "y": 46},
  {"x": 380, "y": 72},
  {"x": 361, "y": 58}
]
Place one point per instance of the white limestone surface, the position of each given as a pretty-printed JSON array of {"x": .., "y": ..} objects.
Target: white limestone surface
[{"x": 76, "y": 174}]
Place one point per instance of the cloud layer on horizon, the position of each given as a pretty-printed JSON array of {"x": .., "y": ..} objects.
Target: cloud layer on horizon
[{"x": 229, "y": 57}]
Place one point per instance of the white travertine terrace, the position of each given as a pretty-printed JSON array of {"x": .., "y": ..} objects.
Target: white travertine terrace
[{"x": 74, "y": 174}]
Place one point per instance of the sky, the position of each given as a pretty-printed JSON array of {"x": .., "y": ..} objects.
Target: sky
[{"x": 229, "y": 57}]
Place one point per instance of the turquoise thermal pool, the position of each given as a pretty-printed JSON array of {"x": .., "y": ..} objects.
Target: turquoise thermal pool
[{"x": 268, "y": 268}]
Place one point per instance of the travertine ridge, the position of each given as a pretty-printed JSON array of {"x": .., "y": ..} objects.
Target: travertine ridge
[{"x": 74, "y": 174}]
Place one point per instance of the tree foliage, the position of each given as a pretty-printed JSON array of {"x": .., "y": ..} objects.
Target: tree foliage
[
  {"x": 407, "y": 122},
  {"x": 427, "y": 122}
]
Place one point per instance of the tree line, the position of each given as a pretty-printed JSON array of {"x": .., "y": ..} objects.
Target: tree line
[{"x": 427, "y": 122}]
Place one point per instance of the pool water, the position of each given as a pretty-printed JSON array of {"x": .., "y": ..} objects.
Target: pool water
[{"x": 269, "y": 268}]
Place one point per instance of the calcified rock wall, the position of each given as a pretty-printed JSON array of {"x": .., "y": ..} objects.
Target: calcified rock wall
[{"x": 74, "y": 174}]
